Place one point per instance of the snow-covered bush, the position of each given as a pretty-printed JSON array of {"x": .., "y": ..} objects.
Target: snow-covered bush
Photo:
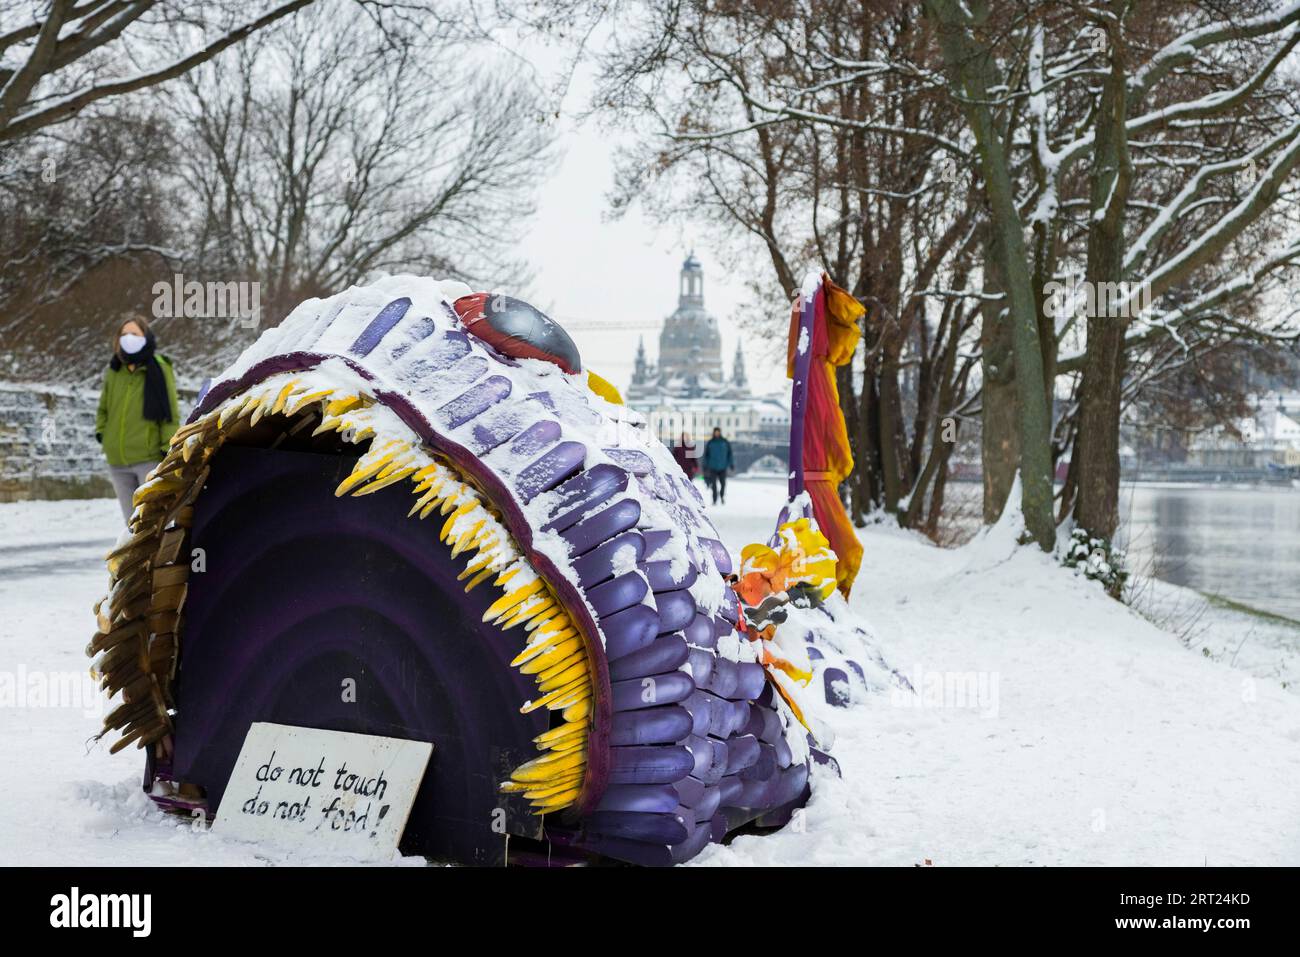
[{"x": 1096, "y": 559}]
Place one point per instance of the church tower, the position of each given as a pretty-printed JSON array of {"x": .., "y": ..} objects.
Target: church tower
[{"x": 738, "y": 378}]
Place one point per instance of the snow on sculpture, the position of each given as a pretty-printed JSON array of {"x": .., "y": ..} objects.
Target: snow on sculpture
[{"x": 462, "y": 527}]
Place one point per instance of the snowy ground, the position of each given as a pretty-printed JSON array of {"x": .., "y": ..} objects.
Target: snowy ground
[{"x": 1051, "y": 725}]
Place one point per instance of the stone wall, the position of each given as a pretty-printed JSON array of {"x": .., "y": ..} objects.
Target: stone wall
[{"x": 47, "y": 443}]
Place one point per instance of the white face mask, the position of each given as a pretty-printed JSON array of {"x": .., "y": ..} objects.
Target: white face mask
[{"x": 132, "y": 344}]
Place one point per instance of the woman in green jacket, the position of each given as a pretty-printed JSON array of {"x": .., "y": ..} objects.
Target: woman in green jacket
[{"x": 137, "y": 410}]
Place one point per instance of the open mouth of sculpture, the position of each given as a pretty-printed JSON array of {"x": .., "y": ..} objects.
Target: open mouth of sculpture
[{"x": 142, "y": 620}]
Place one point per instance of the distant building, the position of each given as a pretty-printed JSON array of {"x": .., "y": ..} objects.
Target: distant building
[
  {"x": 1268, "y": 439},
  {"x": 688, "y": 390}
]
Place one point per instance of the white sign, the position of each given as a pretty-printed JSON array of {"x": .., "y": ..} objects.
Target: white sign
[{"x": 305, "y": 788}]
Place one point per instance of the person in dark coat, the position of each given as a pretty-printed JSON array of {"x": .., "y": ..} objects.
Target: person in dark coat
[
  {"x": 718, "y": 461},
  {"x": 686, "y": 457}
]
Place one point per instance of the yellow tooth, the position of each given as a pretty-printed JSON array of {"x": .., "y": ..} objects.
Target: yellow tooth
[
  {"x": 541, "y": 656},
  {"x": 379, "y": 483},
  {"x": 559, "y": 733},
  {"x": 364, "y": 469},
  {"x": 564, "y": 668},
  {"x": 556, "y": 699},
  {"x": 278, "y": 406},
  {"x": 466, "y": 537},
  {"x": 345, "y": 404},
  {"x": 328, "y": 423},
  {"x": 577, "y": 711},
  {"x": 478, "y": 579},
  {"x": 451, "y": 519},
  {"x": 424, "y": 473},
  {"x": 306, "y": 399},
  {"x": 231, "y": 410},
  {"x": 528, "y": 613},
  {"x": 565, "y": 679},
  {"x": 548, "y": 765},
  {"x": 252, "y": 405},
  {"x": 421, "y": 502},
  {"x": 552, "y": 789},
  {"x": 509, "y": 573},
  {"x": 510, "y": 599},
  {"x": 558, "y": 623},
  {"x": 558, "y": 803}
]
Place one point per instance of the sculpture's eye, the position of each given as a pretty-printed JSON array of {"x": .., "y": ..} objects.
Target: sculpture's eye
[{"x": 516, "y": 329}]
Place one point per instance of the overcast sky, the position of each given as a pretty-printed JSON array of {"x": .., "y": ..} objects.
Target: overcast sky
[{"x": 609, "y": 282}]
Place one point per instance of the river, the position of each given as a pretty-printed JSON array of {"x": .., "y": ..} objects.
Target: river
[{"x": 1241, "y": 543}]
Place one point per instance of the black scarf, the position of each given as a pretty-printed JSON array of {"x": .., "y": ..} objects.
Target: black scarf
[{"x": 157, "y": 407}]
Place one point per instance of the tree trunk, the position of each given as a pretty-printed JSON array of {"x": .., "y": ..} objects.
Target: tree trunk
[
  {"x": 973, "y": 75},
  {"x": 1097, "y": 445}
]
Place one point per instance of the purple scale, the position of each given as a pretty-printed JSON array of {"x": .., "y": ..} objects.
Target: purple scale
[
  {"x": 629, "y": 630},
  {"x": 542, "y": 398},
  {"x": 601, "y": 527},
  {"x": 718, "y": 827},
  {"x": 646, "y": 798},
  {"x": 635, "y": 461},
  {"x": 665, "y": 653},
  {"x": 837, "y": 696},
  {"x": 790, "y": 784},
  {"x": 598, "y": 564},
  {"x": 649, "y": 764},
  {"x": 763, "y": 768},
  {"x": 700, "y": 632},
  {"x": 729, "y": 789},
  {"x": 750, "y": 680},
  {"x": 380, "y": 326},
  {"x": 814, "y": 653},
  {"x": 767, "y": 697},
  {"x": 474, "y": 401},
  {"x": 771, "y": 729},
  {"x": 730, "y": 609},
  {"x": 708, "y": 804},
  {"x": 670, "y": 828},
  {"x": 702, "y": 662},
  {"x": 710, "y": 758},
  {"x": 742, "y": 752},
  {"x": 570, "y": 501},
  {"x": 667, "y": 725},
  {"x": 486, "y": 437},
  {"x": 690, "y": 791},
  {"x": 825, "y": 760},
  {"x": 661, "y": 578},
  {"x": 721, "y": 557},
  {"x": 781, "y": 747},
  {"x": 722, "y": 628},
  {"x": 618, "y": 593},
  {"x": 737, "y": 713},
  {"x": 655, "y": 539},
  {"x": 692, "y": 845},
  {"x": 676, "y": 609},
  {"x": 723, "y": 680},
  {"x": 700, "y": 705},
  {"x": 550, "y": 470},
  {"x": 640, "y": 853},
  {"x": 637, "y": 693},
  {"x": 756, "y": 792},
  {"x": 754, "y": 720},
  {"x": 856, "y": 669},
  {"x": 538, "y": 436}
]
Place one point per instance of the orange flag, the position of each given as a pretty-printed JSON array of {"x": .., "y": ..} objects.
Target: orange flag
[{"x": 826, "y": 458}]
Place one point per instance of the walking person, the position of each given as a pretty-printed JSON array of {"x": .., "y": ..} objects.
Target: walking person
[
  {"x": 137, "y": 409},
  {"x": 686, "y": 457},
  {"x": 717, "y": 461}
]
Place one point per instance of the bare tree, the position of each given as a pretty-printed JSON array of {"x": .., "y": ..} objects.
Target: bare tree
[
  {"x": 60, "y": 56},
  {"x": 331, "y": 150}
]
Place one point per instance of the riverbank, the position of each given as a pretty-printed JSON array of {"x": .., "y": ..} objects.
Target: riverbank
[{"x": 1094, "y": 737}]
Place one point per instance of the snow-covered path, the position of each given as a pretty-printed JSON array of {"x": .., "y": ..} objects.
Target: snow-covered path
[{"x": 1089, "y": 736}]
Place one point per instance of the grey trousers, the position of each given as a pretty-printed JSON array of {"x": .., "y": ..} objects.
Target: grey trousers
[{"x": 126, "y": 479}]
